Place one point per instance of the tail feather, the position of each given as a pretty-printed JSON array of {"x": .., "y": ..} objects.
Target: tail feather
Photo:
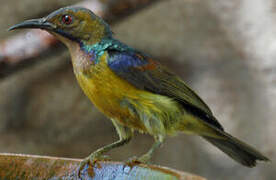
[
  {"x": 236, "y": 149},
  {"x": 214, "y": 133}
]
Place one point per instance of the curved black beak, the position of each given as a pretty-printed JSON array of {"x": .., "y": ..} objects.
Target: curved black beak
[{"x": 34, "y": 23}]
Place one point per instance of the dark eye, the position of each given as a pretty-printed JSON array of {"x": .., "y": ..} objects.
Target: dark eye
[{"x": 67, "y": 19}]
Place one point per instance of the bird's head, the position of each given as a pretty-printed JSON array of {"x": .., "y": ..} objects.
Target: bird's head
[{"x": 71, "y": 24}]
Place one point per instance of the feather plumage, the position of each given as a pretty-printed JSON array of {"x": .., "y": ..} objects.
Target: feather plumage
[
  {"x": 132, "y": 89},
  {"x": 146, "y": 74}
]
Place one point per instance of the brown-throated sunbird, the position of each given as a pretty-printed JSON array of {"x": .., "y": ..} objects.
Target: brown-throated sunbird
[{"x": 133, "y": 90}]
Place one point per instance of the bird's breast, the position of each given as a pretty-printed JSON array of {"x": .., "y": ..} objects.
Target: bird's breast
[{"x": 107, "y": 91}]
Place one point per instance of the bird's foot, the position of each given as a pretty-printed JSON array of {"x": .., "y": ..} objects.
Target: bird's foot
[
  {"x": 92, "y": 160},
  {"x": 145, "y": 159}
]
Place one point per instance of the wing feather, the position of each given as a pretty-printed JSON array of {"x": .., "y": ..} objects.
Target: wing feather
[{"x": 147, "y": 74}]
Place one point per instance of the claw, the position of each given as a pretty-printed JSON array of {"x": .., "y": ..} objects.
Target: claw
[
  {"x": 92, "y": 160},
  {"x": 135, "y": 160},
  {"x": 132, "y": 161},
  {"x": 82, "y": 164}
]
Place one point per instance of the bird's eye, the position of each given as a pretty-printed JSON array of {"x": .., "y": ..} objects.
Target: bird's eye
[{"x": 67, "y": 19}]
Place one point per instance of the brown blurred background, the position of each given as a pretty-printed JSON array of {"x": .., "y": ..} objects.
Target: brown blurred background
[{"x": 225, "y": 50}]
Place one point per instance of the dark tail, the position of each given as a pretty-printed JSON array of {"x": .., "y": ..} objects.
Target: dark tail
[{"x": 236, "y": 149}]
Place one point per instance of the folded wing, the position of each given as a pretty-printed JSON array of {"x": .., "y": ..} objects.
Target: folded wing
[{"x": 147, "y": 74}]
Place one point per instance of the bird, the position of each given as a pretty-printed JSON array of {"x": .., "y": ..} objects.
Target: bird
[{"x": 135, "y": 91}]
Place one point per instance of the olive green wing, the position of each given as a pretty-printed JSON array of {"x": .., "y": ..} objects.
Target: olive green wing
[{"x": 147, "y": 74}]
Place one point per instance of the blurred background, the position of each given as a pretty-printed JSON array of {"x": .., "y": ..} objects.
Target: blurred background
[{"x": 225, "y": 50}]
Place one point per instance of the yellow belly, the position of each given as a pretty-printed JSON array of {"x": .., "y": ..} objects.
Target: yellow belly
[{"x": 106, "y": 90}]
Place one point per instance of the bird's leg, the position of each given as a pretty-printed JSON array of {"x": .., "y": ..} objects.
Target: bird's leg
[
  {"x": 125, "y": 135},
  {"x": 145, "y": 158}
]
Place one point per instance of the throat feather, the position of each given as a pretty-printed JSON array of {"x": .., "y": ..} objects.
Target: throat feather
[{"x": 94, "y": 51}]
